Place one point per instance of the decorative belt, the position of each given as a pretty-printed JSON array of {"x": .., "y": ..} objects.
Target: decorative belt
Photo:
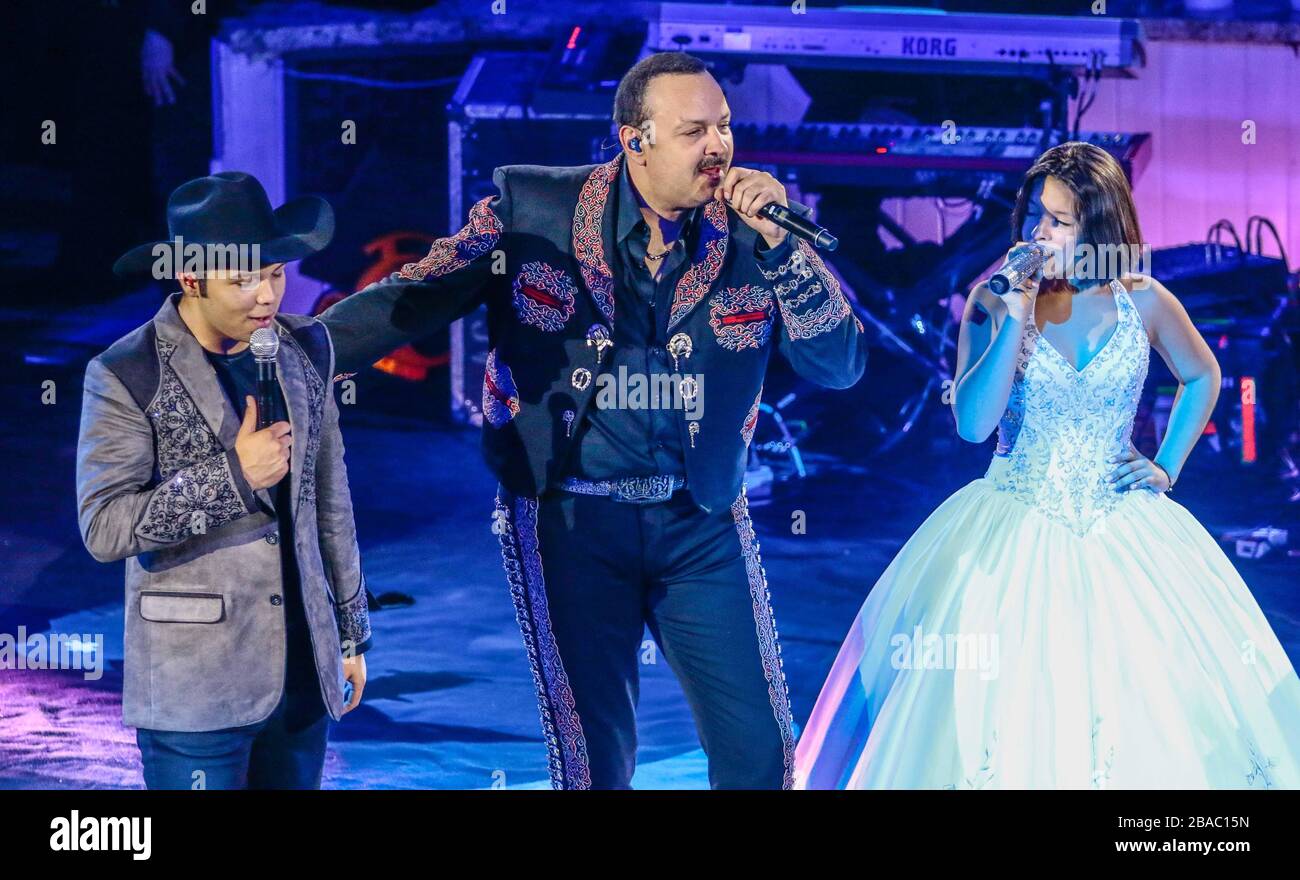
[{"x": 634, "y": 490}]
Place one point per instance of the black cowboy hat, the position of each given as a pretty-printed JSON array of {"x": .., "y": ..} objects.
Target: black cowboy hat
[{"x": 231, "y": 207}]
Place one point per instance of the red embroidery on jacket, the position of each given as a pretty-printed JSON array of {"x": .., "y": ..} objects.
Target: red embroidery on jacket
[
  {"x": 500, "y": 397},
  {"x": 741, "y": 317},
  {"x": 587, "y": 244},
  {"x": 711, "y": 251},
  {"x": 543, "y": 296},
  {"x": 455, "y": 252},
  {"x": 751, "y": 420}
]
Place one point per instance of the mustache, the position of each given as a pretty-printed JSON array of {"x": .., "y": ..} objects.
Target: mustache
[{"x": 712, "y": 163}]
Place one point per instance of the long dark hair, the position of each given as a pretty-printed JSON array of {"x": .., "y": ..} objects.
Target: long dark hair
[{"x": 1103, "y": 200}]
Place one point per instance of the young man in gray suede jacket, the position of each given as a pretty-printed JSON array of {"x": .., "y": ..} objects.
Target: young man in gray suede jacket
[{"x": 246, "y": 613}]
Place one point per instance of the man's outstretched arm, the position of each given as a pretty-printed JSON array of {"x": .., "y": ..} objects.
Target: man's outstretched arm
[
  {"x": 423, "y": 297},
  {"x": 819, "y": 334}
]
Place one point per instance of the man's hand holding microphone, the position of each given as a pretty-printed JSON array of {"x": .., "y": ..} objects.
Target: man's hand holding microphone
[{"x": 263, "y": 455}]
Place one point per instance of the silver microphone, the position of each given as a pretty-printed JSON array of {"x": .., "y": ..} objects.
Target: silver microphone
[
  {"x": 265, "y": 343},
  {"x": 1022, "y": 263}
]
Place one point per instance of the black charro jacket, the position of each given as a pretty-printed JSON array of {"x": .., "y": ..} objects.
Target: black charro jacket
[{"x": 539, "y": 255}]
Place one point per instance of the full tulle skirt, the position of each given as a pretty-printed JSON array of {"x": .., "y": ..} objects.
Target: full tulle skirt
[{"x": 1000, "y": 649}]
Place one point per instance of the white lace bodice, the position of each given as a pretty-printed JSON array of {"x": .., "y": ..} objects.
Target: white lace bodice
[{"x": 1062, "y": 424}]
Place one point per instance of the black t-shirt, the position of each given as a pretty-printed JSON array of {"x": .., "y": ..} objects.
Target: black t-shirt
[{"x": 237, "y": 374}]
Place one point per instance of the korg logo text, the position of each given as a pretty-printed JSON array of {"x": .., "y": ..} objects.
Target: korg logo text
[{"x": 929, "y": 46}]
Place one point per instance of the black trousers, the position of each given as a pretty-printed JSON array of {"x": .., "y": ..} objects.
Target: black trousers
[{"x": 587, "y": 574}]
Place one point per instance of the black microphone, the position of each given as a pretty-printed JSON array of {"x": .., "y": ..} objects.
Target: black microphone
[
  {"x": 800, "y": 226},
  {"x": 264, "y": 344}
]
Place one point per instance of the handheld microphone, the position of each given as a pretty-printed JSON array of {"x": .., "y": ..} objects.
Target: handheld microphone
[
  {"x": 264, "y": 344},
  {"x": 1022, "y": 263},
  {"x": 800, "y": 226}
]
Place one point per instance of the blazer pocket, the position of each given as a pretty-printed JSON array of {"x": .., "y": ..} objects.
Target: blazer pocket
[{"x": 170, "y": 607}]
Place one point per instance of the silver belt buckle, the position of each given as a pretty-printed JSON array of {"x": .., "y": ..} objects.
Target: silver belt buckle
[{"x": 642, "y": 490}]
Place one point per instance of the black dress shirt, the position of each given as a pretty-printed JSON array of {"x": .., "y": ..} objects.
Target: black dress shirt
[{"x": 618, "y": 442}]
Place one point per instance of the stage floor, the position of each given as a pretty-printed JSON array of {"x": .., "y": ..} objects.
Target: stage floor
[{"x": 450, "y": 700}]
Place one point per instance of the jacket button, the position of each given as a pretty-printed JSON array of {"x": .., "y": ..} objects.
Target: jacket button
[
  {"x": 275, "y": 599},
  {"x": 273, "y": 537}
]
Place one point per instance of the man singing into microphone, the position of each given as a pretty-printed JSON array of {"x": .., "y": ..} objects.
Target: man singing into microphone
[
  {"x": 617, "y": 510},
  {"x": 246, "y": 612}
]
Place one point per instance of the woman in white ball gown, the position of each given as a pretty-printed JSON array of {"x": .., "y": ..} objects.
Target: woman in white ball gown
[{"x": 1062, "y": 622}]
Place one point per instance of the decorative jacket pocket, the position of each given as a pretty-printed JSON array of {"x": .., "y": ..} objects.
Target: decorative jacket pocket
[
  {"x": 500, "y": 396},
  {"x": 543, "y": 296},
  {"x": 741, "y": 317},
  {"x": 170, "y": 607}
]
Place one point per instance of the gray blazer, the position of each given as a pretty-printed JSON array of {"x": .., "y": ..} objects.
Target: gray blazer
[{"x": 159, "y": 485}]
